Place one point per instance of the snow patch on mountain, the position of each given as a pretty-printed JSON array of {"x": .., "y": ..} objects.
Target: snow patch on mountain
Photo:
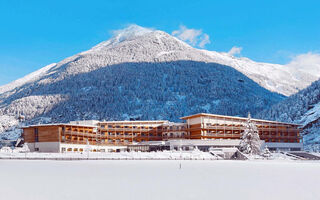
[{"x": 26, "y": 79}]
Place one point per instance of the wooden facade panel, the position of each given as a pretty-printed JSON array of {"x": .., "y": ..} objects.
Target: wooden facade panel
[
  {"x": 28, "y": 135},
  {"x": 48, "y": 134}
]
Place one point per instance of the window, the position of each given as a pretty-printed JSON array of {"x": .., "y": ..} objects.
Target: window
[
  {"x": 36, "y": 134},
  {"x": 63, "y": 149},
  {"x": 36, "y": 149}
]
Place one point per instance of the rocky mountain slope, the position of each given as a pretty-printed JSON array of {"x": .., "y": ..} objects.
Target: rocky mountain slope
[{"x": 144, "y": 74}]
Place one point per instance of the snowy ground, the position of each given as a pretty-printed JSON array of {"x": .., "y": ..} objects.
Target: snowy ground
[
  {"x": 164, "y": 155},
  {"x": 83, "y": 180}
]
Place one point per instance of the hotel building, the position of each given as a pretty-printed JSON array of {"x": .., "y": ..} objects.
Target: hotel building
[{"x": 201, "y": 131}]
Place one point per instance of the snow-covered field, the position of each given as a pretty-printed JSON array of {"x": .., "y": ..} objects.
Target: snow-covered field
[
  {"x": 167, "y": 155},
  {"x": 83, "y": 180}
]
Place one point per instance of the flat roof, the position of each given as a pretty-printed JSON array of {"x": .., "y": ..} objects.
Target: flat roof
[{"x": 233, "y": 117}]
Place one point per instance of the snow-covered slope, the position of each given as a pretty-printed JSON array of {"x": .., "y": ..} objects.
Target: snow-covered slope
[
  {"x": 274, "y": 77},
  {"x": 302, "y": 108},
  {"x": 26, "y": 79}
]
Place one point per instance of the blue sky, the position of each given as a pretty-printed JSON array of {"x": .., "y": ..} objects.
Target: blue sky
[{"x": 36, "y": 33}]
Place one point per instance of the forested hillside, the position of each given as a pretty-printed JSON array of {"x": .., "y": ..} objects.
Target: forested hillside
[{"x": 302, "y": 108}]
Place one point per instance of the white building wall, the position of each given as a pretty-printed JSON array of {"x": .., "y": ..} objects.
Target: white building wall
[
  {"x": 284, "y": 146},
  {"x": 77, "y": 147},
  {"x": 194, "y": 121},
  {"x": 49, "y": 147},
  {"x": 56, "y": 147}
]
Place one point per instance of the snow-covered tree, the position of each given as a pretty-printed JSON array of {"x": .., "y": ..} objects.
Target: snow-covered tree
[
  {"x": 266, "y": 152},
  {"x": 250, "y": 141}
]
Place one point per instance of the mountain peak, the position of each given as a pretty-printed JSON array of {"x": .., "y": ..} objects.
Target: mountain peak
[
  {"x": 134, "y": 32},
  {"x": 129, "y": 33}
]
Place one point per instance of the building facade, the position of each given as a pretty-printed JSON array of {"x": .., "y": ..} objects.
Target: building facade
[
  {"x": 205, "y": 130},
  {"x": 276, "y": 135}
]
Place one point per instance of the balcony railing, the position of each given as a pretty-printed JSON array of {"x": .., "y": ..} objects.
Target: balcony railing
[
  {"x": 284, "y": 129},
  {"x": 99, "y": 143}
]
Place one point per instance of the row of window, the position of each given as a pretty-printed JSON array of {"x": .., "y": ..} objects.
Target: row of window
[
  {"x": 146, "y": 127},
  {"x": 259, "y": 126},
  {"x": 63, "y": 149}
]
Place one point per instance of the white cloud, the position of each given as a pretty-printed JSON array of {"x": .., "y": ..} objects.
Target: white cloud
[
  {"x": 192, "y": 36},
  {"x": 235, "y": 50},
  {"x": 204, "y": 40},
  {"x": 308, "y": 62}
]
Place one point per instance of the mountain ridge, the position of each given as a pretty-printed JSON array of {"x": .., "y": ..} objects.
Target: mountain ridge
[{"x": 274, "y": 77}]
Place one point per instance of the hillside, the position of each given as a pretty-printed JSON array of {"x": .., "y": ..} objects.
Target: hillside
[
  {"x": 143, "y": 74},
  {"x": 302, "y": 108}
]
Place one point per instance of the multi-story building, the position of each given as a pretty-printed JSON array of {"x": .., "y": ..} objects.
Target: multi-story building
[
  {"x": 200, "y": 130},
  {"x": 276, "y": 135}
]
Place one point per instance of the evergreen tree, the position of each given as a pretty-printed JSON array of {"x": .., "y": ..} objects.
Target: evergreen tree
[
  {"x": 266, "y": 152},
  {"x": 250, "y": 140}
]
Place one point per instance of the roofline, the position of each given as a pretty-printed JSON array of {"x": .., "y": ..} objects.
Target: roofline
[
  {"x": 233, "y": 117},
  {"x": 59, "y": 124},
  {"x": 141, "y": 121}
]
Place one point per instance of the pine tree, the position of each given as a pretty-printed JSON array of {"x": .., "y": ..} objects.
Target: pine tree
[{"x": 250, "y": 140}]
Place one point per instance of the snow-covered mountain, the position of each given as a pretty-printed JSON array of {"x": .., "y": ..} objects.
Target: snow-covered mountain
[
  {"x": 138, "y": 44},
  {"x": 302, "y": 108},
  {"x": 146, "y": 74},
  {"x": 283, "y": 79}
]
